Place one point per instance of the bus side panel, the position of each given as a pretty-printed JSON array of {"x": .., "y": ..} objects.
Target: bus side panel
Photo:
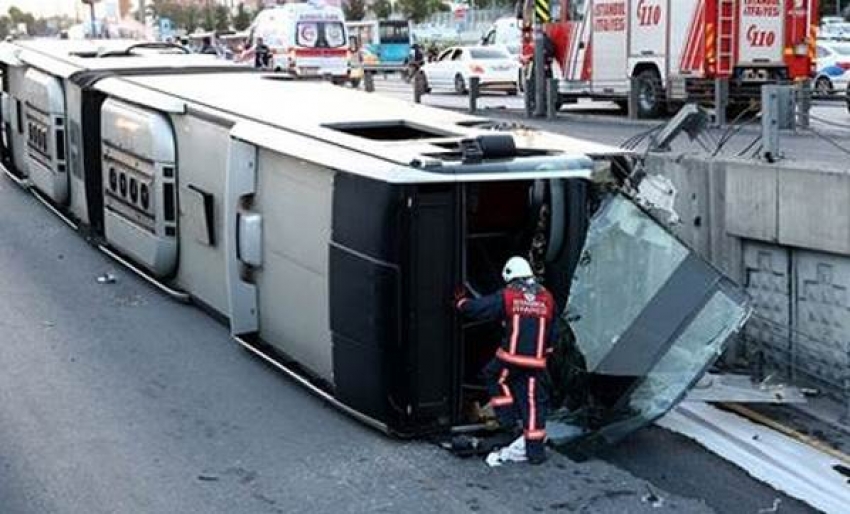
[
  {"x": 78, "y": 206},
  {"x": 202, "y": 150},
  {"x": 434, "y": 265},
  {"x": 365, "y": 296},
  {"x": 294, "y": 199},
  {"x": 17, "y": 114},
  {"x": 44, "y": 116}
]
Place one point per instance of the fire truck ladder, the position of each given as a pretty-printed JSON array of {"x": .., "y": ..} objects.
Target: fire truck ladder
[{"x": 725, "y": 36}]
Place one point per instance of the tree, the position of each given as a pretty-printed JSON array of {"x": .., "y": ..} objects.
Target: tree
[
  {"x": 382, "y": 9},
  {"x": 18, "y": 16},
  {"x": 354, "y": 9},
  {"x": 242, "y": 20},
  {"x": 5, "y": 26},
  {"x": 222, "y": 18},
  {"x": 208, "y": 18},
  {"x": 418, "y": 10},
  {"x": 192, "y": 19}
]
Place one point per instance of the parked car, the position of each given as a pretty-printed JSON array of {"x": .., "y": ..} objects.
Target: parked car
[
  {"x": 494, "y": 66},
  {"x": 507, "y": 33},
  {"x": 834, "y": 32},
  {"x": 833, "y": 63}
]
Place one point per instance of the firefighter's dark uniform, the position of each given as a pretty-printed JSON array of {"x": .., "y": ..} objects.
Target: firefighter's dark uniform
[{"x": 527, "y": 311}]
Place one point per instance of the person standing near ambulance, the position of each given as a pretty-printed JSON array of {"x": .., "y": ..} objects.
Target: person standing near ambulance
[
  {"x": 515, "y": 375},
  {"x": 261, "y": 53}
]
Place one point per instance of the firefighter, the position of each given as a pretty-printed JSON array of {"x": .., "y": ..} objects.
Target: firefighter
[{"x": 515, "y": 375}]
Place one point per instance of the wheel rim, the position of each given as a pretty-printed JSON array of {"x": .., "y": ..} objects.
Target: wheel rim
[
  {"x": 647, "y": 96},
  {"x": 822, "y": 87}
]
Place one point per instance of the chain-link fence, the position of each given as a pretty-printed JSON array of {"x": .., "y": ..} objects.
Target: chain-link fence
[{"x": 465, "y": 27}]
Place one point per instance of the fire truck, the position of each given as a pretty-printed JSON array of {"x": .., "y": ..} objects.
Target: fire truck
[{"x": 672, "y": 51}]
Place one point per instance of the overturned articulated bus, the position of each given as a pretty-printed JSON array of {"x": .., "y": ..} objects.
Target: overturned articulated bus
[{"x": 329, "y": 228}]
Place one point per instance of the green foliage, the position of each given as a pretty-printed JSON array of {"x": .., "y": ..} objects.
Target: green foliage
[
  {"x": 354, "y": 10},
  {"x": 189, "y": 17},
  {"x": 242, "y": 20},
  {"x": 208, "y": 22},
  {"x": 192, "y": 19},
  {"x": 222, "y": 18},
  {"x": 419, "y": 10},
  {"x": 382, "y": 9}
]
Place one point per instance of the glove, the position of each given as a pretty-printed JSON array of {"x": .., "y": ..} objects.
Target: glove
[{"x": 460, "y": 295}]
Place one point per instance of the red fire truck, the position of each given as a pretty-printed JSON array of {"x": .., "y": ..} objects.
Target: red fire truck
[{"x": 673, "y": 50}]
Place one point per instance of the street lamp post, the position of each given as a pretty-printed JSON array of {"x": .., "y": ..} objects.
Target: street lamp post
[{"x": 93, "y": 24}]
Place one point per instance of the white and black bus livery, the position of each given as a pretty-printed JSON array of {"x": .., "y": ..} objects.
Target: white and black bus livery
[{"x": 329, "y": 229}]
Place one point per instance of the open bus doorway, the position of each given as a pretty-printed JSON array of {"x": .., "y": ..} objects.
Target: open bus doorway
[{"x": 541, "y": 220}]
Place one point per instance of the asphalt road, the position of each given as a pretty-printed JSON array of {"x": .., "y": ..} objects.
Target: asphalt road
[
  {"x": 115, "y": 399},
  {"x": 828, "y": 143}
]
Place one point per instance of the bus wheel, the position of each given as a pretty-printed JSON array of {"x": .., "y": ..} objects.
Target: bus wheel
[{"x": 650, "y": 95}]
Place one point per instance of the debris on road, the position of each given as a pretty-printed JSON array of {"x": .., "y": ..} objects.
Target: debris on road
[
  {"x": 652, "y": 498},
  {"x": 106, "y": 278},
  {"x": 513, "y": 453}
]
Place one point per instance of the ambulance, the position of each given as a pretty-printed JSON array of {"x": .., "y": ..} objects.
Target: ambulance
[
  {"x": 307, "y": 39},
  {"x": 673, "y": 50}
]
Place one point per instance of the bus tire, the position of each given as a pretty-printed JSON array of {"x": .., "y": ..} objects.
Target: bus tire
[{"x": 650, "y": 94}]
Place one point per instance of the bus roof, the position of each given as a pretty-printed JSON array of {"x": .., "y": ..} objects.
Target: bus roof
[
  {"x": 383, "y": 138},
  {"x": 65, "y": 60}
]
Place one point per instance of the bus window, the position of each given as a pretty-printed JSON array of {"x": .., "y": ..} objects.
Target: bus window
[{"x": 395, "y": 33}]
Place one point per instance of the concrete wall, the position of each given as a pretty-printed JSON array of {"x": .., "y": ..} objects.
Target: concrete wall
[{"x": 783, "y": 232}]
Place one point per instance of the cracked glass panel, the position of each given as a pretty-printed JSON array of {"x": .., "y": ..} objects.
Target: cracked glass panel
[
  {"x": 608, "y": 296},
  {"x": 695, "y": 348},
  {"x": 637, "y": 290}
]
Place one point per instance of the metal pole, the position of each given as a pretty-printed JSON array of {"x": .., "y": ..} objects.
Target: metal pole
[
  {"x": 417, "y": 89},
  {"x": 770, "y": 127},
  {"x": 634, "y": 98},
  {"x": 528, "y": 97},
  {"x": 474, "y": 83},
  {"x": 721, "y": 101},
  {"x": 804, "y": 103},
  {"x": 552, "y": 96},
  {"x": 539, "y": 71},
  {"x": 368, "y": 82},
  {"x": 93, "y": 28}
]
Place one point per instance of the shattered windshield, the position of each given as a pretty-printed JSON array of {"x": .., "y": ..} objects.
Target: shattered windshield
[
  {"x": 620, "y": 233},
  {"x": 647, "y": 317}
]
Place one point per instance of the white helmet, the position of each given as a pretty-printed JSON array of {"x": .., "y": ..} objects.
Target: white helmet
[{"x": 515, "y": 268}]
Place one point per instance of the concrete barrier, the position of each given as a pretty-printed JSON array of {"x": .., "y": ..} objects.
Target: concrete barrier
[{"x": 783, "y": 232}]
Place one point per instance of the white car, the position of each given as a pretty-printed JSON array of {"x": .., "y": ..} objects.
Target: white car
[
  {"x": 494, "y": 67},
  {"x": 833, "y": 63}
]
